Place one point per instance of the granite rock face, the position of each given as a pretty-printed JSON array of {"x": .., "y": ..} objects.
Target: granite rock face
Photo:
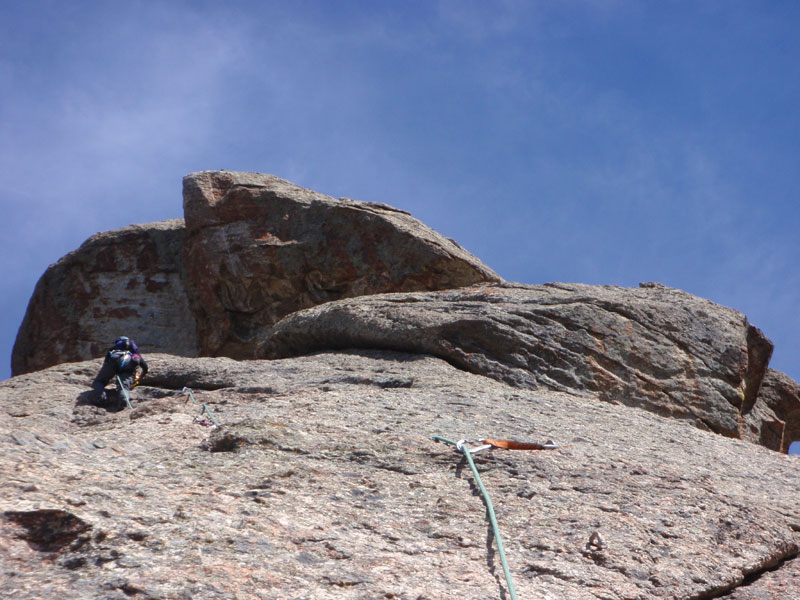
[
  {"x": 124, "y": 282},
  {"x": 262, "y": 268},
  {"x": 259, "y": 247},
  {"x": 323, "y": 482},
  {"x": 655, "y": 347},
  {"x": 774, "y": 420}
]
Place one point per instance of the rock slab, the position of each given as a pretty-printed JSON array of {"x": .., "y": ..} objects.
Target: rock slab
[
  {"x": 653, "y": 347},
  {"x": 323, "y": 482}
]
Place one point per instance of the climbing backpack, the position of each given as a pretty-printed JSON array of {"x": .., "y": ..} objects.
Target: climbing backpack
[{"x": 120, "y": 359}]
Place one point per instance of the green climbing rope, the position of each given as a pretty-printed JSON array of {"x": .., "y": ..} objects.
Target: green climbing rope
[
  {"x": 124, "y": 393},
  {"x": 203, "y": 406},
  {"x": 489, "y": 511}
]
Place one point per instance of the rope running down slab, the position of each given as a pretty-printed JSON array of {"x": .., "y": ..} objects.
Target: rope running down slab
[
  {"x": 489, "y": 511},
  {"x": 124, "y": 393}
]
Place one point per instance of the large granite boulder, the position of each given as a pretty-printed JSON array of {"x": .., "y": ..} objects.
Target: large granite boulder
[
  {"x": 124, "y": 282},
  {"x": 654, "y": 347},
  {"x": 323, "y": 482},
  {"x": 254, "y": 248},
  {"x": 259, "y": 247}
]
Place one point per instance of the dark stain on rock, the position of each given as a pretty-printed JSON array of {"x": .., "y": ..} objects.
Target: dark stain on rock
[{"x": 48, "y": 530}]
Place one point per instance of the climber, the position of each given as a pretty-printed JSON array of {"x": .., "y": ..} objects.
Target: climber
[{"x": 123, "y": 359}]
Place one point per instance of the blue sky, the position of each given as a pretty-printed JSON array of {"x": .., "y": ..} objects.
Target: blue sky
[{"x": 601, "y": 142}]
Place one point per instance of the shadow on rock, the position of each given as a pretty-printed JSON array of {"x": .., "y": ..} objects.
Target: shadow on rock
[
  {"x": 88, "y": 412},
  {"x": 85, "y": 399}
]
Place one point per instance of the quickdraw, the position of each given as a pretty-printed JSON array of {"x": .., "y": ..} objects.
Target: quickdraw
[
  {"x": 512, "y": 445},
  {"x": 203, "y": 409}
]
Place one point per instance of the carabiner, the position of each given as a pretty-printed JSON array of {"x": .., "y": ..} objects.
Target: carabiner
[{"x": 460, "y": 446}]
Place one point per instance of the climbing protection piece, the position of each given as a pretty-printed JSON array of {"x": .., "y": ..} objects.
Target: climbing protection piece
[
  {"x": 203, "y": 406},
  {"x": 486, "y": 443},
  {"x": 512, "y": 445}
]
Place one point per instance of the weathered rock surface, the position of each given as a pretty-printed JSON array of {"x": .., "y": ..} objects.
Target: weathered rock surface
[
  {"x": 781, "y": 582},
  {"x": 654, "y": 347},
  {"x": 323, "y": 482},
  {"x": 774, "y": 420},
  {"x": 124, "y": 282},
  {"x": 254, "y": 249},
  {"x": 259, "y": 247}
]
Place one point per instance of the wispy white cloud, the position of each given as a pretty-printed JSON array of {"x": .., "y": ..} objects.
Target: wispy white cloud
[{"x": 81, "y": 134}]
